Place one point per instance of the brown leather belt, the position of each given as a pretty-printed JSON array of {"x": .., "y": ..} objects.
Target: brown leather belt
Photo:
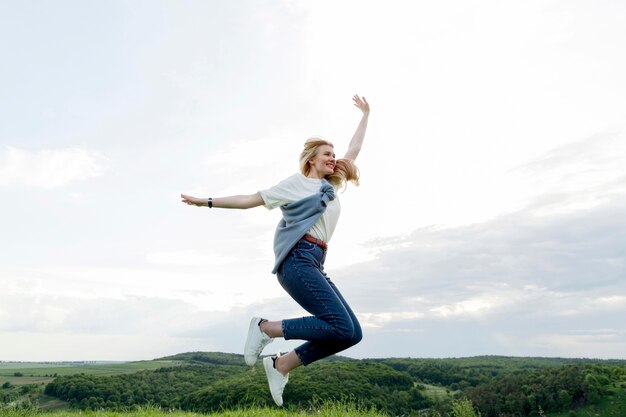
[{"x": 318, "y": 242}]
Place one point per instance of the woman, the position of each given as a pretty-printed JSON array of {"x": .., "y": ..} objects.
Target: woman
[{"x": 310, "y": 209}]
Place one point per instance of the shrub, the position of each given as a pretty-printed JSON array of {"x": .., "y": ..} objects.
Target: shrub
[{"x": 463, "y": 408}]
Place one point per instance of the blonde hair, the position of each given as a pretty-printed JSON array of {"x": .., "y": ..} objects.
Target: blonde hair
[{"x": 345, "y": 169}]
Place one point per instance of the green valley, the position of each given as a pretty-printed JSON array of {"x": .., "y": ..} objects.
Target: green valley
[{"x": 204, "y": 382}]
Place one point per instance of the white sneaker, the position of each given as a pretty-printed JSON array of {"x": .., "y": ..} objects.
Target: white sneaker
[
  {"x": 275, "y": 379},
  {"x": 255, "y": 342}
]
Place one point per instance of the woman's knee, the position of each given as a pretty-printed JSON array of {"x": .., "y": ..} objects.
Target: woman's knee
[
  {"x": 358, "y": 334},
  {"x": 349, "y": 332},
  {"x": 343, "y": 329}
]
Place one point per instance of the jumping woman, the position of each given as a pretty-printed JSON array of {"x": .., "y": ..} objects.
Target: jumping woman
[{"x": 310, "y": 207}]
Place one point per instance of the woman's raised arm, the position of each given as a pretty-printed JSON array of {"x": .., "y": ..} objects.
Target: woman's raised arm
[
  {"x": 357, "y": 139},
  {"x": 231, "y": 202}
]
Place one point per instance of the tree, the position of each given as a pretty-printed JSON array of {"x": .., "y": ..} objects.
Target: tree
[{"x": 463, "y": 408}]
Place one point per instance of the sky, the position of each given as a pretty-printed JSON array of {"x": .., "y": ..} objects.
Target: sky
[{"x": 490, "y": 219}]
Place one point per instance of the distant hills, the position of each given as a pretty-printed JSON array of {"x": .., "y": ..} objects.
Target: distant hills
[
  {"x": 209, "y": 381},
  {"x": 202, "y": 381}
]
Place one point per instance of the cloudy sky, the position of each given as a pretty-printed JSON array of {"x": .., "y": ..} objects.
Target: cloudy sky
[{"x": 491, "y": 218}]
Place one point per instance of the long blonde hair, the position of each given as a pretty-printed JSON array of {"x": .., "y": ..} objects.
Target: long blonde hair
[{"x": 345, "y": 169}]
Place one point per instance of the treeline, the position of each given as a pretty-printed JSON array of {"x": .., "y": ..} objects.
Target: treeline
[
  {"x": 165, "y": 387},
  {"x": 215, "y": 358},
  {"x": 18, "y": 394},
  {"x": 496, "y": 385},
  {"x": 8, "y": 394},
  {"x": 461, "y": 373},
  {"x": 548, "y": 390},
  {"x": 209, "y": 387},
  {"x": 369, "y": 384}
]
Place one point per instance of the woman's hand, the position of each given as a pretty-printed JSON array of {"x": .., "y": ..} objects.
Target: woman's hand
[
  {"x": 357, "y": 140},
  {"x": 194, "y": 201},
  {"x": 362, "y": 104},
  {"x": 231, "y": 202}
]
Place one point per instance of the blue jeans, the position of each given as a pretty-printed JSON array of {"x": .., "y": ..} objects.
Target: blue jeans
[{"x": 333, "y": 327}]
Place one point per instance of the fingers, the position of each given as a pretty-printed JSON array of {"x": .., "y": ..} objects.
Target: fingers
[
  {"x": 187, "y": 199},
  {"x": 361, "y": 103}
]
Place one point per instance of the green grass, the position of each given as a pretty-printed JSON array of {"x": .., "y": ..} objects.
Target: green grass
[
  {"x": 36, "y": 373},
  {"x": 27, "y": 365},
  {"x": 47, "y": 403},
  {"x": 25, "y": 380},
  {"x": 42, "y": 374},
  {"x": 326, "y": 410},
  {"x": 437, "y": 393},
  {"x": 38, "y": 369}
]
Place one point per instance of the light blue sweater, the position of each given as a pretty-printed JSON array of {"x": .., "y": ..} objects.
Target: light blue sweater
[{"x": 298, "y": 217}]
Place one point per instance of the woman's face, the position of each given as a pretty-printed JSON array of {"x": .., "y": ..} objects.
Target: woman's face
[{"x": 323, "y": 163}]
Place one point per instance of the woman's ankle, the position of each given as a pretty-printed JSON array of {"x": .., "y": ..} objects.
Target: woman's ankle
[
  {"x": 272, "y": 328},
  {"x": 286, "y": 363},
  {"x": 279, "y": 365}
]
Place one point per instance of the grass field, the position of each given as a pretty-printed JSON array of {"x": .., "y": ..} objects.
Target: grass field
[
  {"x": 327, "y": 410},
  {"x": 27, "y": 365},
  {"x": 36, "y": 373},
  {"x": 25, "y": 380},
  {"x": 612, "y": 405},
  {"x": 47, "y": 403},
  {"x": 42, "y": 374},
  {"x": 437, "y": 393}
]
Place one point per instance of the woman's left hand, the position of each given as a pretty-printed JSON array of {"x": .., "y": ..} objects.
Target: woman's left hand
[
  {"x": 193, "y": 201},
  {"x": 362, "y": 104}
]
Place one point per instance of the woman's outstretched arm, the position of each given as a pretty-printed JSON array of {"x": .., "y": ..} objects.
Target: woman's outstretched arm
[
  {"x": 357, "y": 139},
  {"x": 231, "y": 202}
]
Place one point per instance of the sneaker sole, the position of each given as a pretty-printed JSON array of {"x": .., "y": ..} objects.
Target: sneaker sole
[{"x": 250, "y": 359}]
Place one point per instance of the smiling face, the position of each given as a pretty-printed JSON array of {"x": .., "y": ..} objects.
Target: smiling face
[{"x": 323, "y": 163}]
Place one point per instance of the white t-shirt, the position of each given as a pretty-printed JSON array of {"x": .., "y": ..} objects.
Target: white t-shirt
[{"x": 296, "y": 188}]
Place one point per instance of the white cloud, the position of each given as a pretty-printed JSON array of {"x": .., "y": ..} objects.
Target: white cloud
[
  {"x": 189, "y": 258},
  {"x": 613, "y": 300},
  {"x": 64, "y": 346},
  {"x": 521, "y": 283},
  {"x": 216, "y": 288},
  {"x": 123, "y": 328},
  {"x": 48, "y": 168},
  {"x": 378, "y": 320},
  {"x": 250, "y": 165},
  {"x": 460, "y": 96},
  {"x": 578, "y": 175},
  {"x": 473, "y": 306},
  {"x": 602, "y": 343}
]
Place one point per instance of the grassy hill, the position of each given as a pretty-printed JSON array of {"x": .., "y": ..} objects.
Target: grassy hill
[
  {"x": 26, "y": 380},
  {"x": 328, "y": 410},
  {"x": 39, "y": 370},
  {"x": 204, "y": 382}
]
